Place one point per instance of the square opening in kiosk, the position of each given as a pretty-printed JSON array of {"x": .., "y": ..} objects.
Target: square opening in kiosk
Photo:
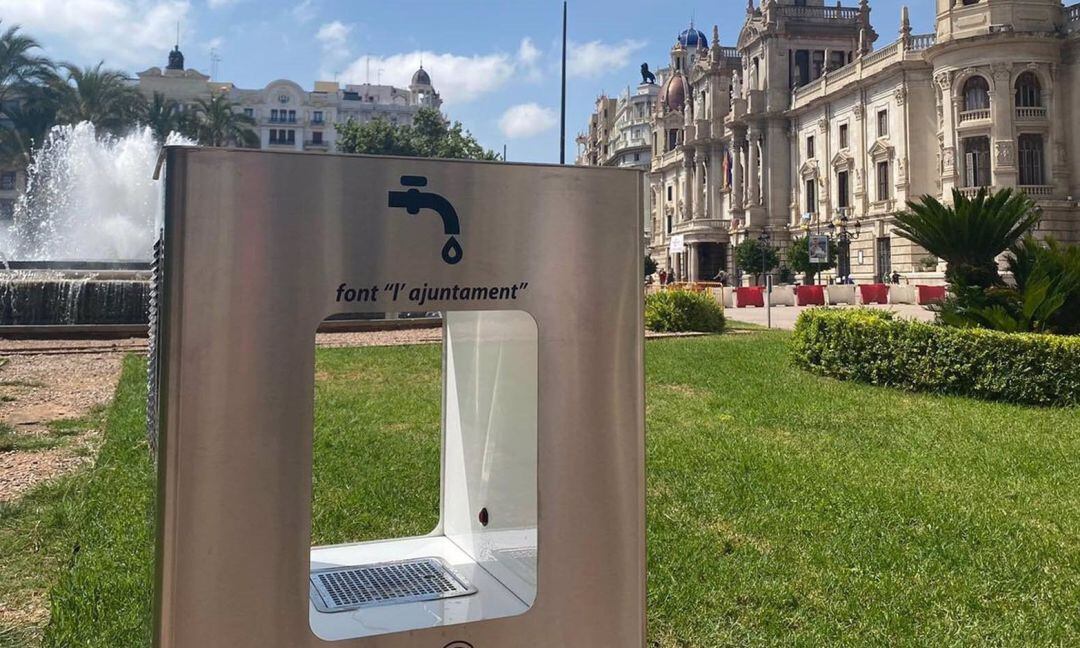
[{"x": 479, "y": 562}]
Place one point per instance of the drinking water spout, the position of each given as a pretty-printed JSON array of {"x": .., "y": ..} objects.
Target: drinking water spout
[{"x": 413, "y": 200}]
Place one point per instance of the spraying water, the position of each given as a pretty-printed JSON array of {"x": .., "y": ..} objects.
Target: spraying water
[{"x": 89, "y": 198}]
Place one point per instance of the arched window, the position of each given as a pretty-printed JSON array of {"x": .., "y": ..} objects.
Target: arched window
[
  {"x": 976, "y": 94},
  {"x": 1028, "y": 91}
]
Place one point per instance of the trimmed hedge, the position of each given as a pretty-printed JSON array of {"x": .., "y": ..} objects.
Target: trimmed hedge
[
  {"x": 873, "y": 347},
  {"x": 675, "y": 311}
]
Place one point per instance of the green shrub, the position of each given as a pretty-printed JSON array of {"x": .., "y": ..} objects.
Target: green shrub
[
  {"x": 672, "y": 311},
  {"x": 873, "y": 347}
]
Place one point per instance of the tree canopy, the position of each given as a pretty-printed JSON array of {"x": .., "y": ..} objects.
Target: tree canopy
[
  {"x": 755, "y": 257},
  {"x": 430, "y": 135}
]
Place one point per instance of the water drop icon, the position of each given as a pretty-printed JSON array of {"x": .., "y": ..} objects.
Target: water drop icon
[{"x": 451, "y": 252}]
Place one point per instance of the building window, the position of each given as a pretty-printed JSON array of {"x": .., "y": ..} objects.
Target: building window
[
  {"x": 883, "y": 123},
  {"x": 976, "y": 94},
  {"x": 1031, "y": 160},
  {"x": 843, "y": 136},
  {"x": 669, "y": 193},
  {"x": 292, "y": 116},
  {"x": 883, "y": 181},
  {"x": 316, "y": 137},
  {"x": 291, "y": 137},
  {"x": 842, "y": 189},
  {"x": 249, "y": 112},
  {"x": 317, "y": 117},
  {"x": 637, "y": 157},
  {"x": 7, "y": 181},
  {"x": 977, "y": 161},
  {"x": 1028, "y": 91},
  {"x": 673, "y": 139},
  {"x": 811, "y": 196},
  {"x": 7, "y": 209},
  {"x": 810, "y": 147}
]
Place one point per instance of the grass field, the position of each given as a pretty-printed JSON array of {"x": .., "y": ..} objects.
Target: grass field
[{"x": 783, "y": 509}]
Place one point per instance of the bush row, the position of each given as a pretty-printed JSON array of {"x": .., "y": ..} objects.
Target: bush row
[
  {"x": 873, "y": 347},
  {"x": 671, "y": 311}
]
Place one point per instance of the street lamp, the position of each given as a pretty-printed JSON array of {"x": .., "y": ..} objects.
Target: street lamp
[
  {"x": 838, "y": 230},
  {"x": 764, "y": 239}
]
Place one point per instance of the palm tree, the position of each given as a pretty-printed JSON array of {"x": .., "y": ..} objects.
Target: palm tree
[
  {"x": 105, "y": 98},
  {"x": 163, "y": 116},
  {"x": 26, "y": 125},
  {"x": 971, "y": 234},
  {"x": 19, "y": 66},
  {"x": 218, "y": 123}
]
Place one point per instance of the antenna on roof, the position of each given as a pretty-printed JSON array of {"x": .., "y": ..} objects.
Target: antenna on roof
[
  {"x": 177, "y": 34},
  {"x": 214, "y": 60}
]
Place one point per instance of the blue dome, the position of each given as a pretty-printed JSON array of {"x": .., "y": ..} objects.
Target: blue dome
[{"x": 693, "y": 38}]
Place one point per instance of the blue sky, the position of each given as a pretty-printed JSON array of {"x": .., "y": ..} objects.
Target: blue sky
[{"x": 495, "y": 63}]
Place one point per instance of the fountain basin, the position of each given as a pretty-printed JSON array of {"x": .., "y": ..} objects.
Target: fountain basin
[{"x": 65, "y": 299}]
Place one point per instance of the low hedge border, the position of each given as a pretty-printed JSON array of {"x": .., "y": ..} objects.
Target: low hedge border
[
  {"x": 678, "y": 311},
  {"x": 874, "y": 347}
]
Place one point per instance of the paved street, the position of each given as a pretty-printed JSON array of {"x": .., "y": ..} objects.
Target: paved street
[{"x": 783, "y": 317}]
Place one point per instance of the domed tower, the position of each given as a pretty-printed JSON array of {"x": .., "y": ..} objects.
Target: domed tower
[
  {"x": 423, "y": 93},
  {"x": 690, "y": 45},
  {"x": 966, "y": 18},
  {"x": 1001, "y": 117}
]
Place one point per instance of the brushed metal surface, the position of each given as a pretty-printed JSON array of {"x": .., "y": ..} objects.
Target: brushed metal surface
[{"x": 258, "y": 245}]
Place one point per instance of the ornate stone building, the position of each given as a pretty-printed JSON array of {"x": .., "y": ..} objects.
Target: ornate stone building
[
  {"x": 804, "y": 123},
  {"x": 288, "y": 116}
]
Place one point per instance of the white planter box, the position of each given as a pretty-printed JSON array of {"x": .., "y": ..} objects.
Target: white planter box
[
  {"x": 783, "y": 296},
  {"x": 902, "y": 294},
  {"x": 842, "y": 294}
]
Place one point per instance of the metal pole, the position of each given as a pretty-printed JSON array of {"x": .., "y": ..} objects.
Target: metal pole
[
  {"x": 768, "y": 301},
  {"x": 562, "y": 120}
]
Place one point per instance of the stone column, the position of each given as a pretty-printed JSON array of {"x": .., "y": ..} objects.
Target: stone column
[
  {"x": 692, "y": 253},
  {"x": 738, "y": 196},
  {"x": 688, "y": 183},
  {"x": 947, "y": 153},
  {"x": 701, "y": 177},
  {"x": 1002, "y": 137},
  {"x": 752, "y": 171}
]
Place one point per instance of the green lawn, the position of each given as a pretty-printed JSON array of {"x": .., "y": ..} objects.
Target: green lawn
[{"x": 784, "y": 509}]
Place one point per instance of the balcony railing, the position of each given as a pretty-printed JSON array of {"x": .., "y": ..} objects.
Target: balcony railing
[
  {"x": 846, "y": 14},
  {"x": 314, "y": 144},
  {"x": 883, "y": 53},
  {"x": 971, "y": 192},
  {"x": 1031, "y": 113},
  {"x": 922, "y": 41},
  {"x": 972, "y": 115},
  {"x": 1037, "y": 190},
  {"x": 1072, "y": 14}
]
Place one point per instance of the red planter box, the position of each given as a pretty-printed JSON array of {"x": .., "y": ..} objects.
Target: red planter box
[
  {"x": 874, "y": 293},
  {"x": 810, "y": 295},
  {"x": 931, "y": 294},
  {"x": 751, "y": 296}
]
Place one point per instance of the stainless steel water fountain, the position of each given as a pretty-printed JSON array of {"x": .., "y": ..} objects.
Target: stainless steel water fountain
[{"x": 537, "y": 269}]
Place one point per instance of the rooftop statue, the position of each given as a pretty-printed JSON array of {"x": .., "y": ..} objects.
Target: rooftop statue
[{"x": 646, "y": 76}]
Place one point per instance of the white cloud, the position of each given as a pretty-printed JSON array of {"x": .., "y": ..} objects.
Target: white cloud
[
  {"x": 528, "y": 53},
  {"x": 459, "y": 79},
  {"x": 527, "y": 120},
  {"x": 305, "y": 11},
  {"x": 334, "y": 34},
  {"x": 217, "y": 4},
  {"x": 124, "y": 33},
  {"x": 594, "y": 58}
]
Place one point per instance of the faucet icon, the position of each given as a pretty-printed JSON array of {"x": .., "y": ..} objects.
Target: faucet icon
[{"x": 414, "y": 200}]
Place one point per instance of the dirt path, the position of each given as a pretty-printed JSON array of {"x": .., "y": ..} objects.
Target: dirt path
[{"x": 36, "y": 391}]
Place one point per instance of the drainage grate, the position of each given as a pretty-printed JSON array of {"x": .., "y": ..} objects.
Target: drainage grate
[{"x": 403, "y": 581}]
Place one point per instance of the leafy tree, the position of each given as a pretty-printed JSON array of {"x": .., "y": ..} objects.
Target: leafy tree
[
  {"x": 650, "y": 265},
  {"x": 971, "y": 234},
  {"x": 755, "y": 257},
  {"x": 102, "y": 97},
  {"x": 20, "y": 66},
  {"x": 430, "y": 135},
  {"x": 217, "y": 123},
  {"x": 799, "y": 257}
]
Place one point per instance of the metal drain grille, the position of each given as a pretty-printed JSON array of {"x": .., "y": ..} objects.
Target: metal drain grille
[{"x": 403, "y": 581}]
